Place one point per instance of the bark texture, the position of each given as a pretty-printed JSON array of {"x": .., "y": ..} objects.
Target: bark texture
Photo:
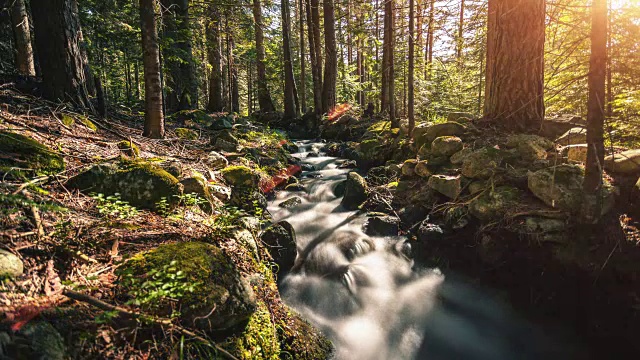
[
  {"x": 515, "y": 63},
  {"x": 290, "y": 108},
  {"x": 153, "y": 116},
  {"x": 388, "y": 85},
  {"x": 22, "y": 36},
  {"x": 264, "y": 96},
  {"x": 331, "y": 59},
  {"x": 314, "y": 54},
  {"x": 214, "y": 54}
]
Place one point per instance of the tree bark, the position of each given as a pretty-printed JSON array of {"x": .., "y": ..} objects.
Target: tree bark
[
  {"x": 596, "y": 103},
  {"x": 233, "y": 81},
  {"x": 314, "y": 54},
  {"x": 460, "y": 39},
  {"x": 303, "y": 75},
  {"x": 290, "y": 110},
  {"x": 214, "y": 55},
  {"x": 515, "y": 63},
  {"x": 264, "y": 96},
  {"x": 428, "y": 53},
  {"x": 153, "y": 116},
  {"x": 331, "y": 60},
  {"x": 58, "y": 39},
  {"x": 388, "y": 71},
  {"x": 412, "y": 120},
  {"x": 22, "y": 36},
  {"x": 179, "y": 60}
]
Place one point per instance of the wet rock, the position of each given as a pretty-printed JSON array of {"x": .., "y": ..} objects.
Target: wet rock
[
  {"x": 307, "y": 167},
  {"x": 455, "y": 116},
  {"x": 291, "y": 147},
  {"x": 409, "y": 167},
  {"x": 355, "y": 191},
  {"x": 312, "y": 175},
  {"x": 221, "y": 192},
  {"x": 446, "y": 146},
  {"x": 449, "y": 186},
  {"x": 221, "y": 124},
  {"x": 295, "y": 187},
  {"x": 291, "y": 202},
  {"x": 10, "y": 265},
  {"x": 626, "y": 162},
  {"x": 140, "y": 183},
  {"x": 428, "y": 232},
  {"x": 216, "y": 161},
  {"x": 458, "y": 158},
  {"x": 421, "y": 169},
  {"x": 248, "y": 199},
  {"x": 482, "y": 164},
  {"x": 128, "y": 148},
  {"x": 494, "y": 204},
  {"x": 382, "y": 226},
  {"x": 240, "y": 176},
  {"x": 173, "y": 167},
  {"x": 24, "y": 152},
  {"x": 312, "y": 154},
  {"x": 348, "y": 164},
  {"x": 437, "y": 130},
  {"x": 281, "y": 240},
  {"x": 573, "y": 136},
  {"x": 576, "y": 153},
  {"x": 339, "y": 188},
  {"x": 561, "y": 187},
  {"x": 186, "y": 134},
  {"x": 217, "y": 284}
]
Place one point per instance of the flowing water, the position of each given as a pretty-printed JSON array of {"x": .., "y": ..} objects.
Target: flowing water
[{"x": 367, "y": 296}]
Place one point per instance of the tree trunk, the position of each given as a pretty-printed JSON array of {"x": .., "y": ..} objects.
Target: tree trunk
[
  {"x": 214, "y": 55},
  {"x": 102, "y": 101},
  {"x": 22, "y": 36},
  {"x": 460, "y": 39},
  {"x": 153, "y": 116},
  {"x": 515, "y": 63},
  {"x": 331, "y": 60},
  {"x": 57, "y": 31},
  {"x": 303, "y": 75},
  {"x": 412, "y": 120},
  {"x": 595, "y": 106},
  {"x": 428, "y": 53},
  {"x": 233, "y": 81},
  {"x": 136, "y": 74},
  {"x": 388, "y": 73},
  {"x": 290, "y": 110},
  {"x": 179, "y": 60},
  {"x": 264, "y": 97},
  {"x": 314, "y": 55}
]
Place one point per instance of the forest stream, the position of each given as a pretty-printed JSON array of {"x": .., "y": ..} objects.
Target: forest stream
[{"x": 367, "y": 295}]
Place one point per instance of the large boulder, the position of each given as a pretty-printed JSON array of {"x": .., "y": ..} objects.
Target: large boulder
[
  {"x": 554, "y": 127},
  {"x": 437, "y": 130},
  {"x": 19, "y": 151},
  {"x": 577, "y": 135},
  {"x": 240, "y": 176},
  {"x": 422, "y": 169},
  {"x": 626, "y": 162},
  {"x": 382, "y": 225},
  {"x": 446, "y": 146},
  {"x": 248, "y": 199},
  {"x": 561, "y": 187},
  {"x": 141, "y": 184},
  {"x": 482, "y": 164},
  {"x": 576, "y": 153},
  {"x": 214, "y": 283},
  {"x": 355, "y": 191},
  {"x": 36, "y": 339},
  {"x": 221, "y": 123},
  {"x": 458, "y": 158},
  {"x": 449, "y": 186},
  {"x": 10, "y": 265},
  {"x": 529, "y": 147},
  {"x": 281, "y": 240},
  {"x": 494, "y": 203}
]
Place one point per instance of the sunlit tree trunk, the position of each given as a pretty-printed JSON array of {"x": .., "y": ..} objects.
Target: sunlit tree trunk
[
  {"x": 215, "y": 60},
  {"x": 233, "y": 77},
  {"x": 331, "y": 61},
  {"x": 303, "y": 75},
  {"x": 22, "y": 36},
  {"x": 153, "y": 116},
  {"x": 264, "y": 96},
  {"x": 596, "y": 103},
  {"x": 515, "y": 63},
  {"x": 388, "y": 73},
  {"x": 290, "y": 110},
  {"x": 428, "y": 53},
  {"x": 57, "y": 32},
  {"x": 460, "y": 39},
  {"x": 412, "y": 120}
]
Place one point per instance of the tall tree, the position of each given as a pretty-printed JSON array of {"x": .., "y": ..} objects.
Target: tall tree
[
  {"x": 460, "y": 38},
  {"x": 313, "y": 30},
  {"x": 428, "y": 52},
  {"x": 264, "y": 96},
  {"x": 178, "y": 56},
  {"x": 412, "y": 120},
  {"x": 290, "y": 108},
  {"x": 214, "y": 54},
  {"x": 303, "y": 75},
  {"x": 153, "y": 116},
  {"x": 234, "y": 91},
  {"x": 331, "y": 58},
  {"x": 596, "y": 104},
  {"x": 388, "y": 73},
  {"x": 58, "y": 35},
  {"x": 515, "y": 63},
  {"x": 22, "y": 36}
]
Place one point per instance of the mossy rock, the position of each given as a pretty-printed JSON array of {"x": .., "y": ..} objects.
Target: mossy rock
[
  {"x": 258, "y": 340},
  {"x": 248, "y": 199},
  {"x": 23, "y": 152},
  {"x": 200, "y": 187},
  {"x": 128, "y": 148},
  {"x": 493, "y": 204},
  {"x": 186, "y": 134},
  {"x": 446, "y": 145},
  {"x": 301, "y": 340},
  {"x": 482, "y": 164},
  {"x": 68, "y": 120},
  {"x": 217, "y": 284},
  {"x": 88, "y": 123},
  {"x": 140, "y": 183},
  {"x": 240, "y": 176},
  {"x": 355, "y": 191},
  {"x": 409, "y": 167}
]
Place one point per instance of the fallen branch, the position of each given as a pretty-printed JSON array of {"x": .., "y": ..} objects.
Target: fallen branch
[{"x": 108, "y": 307}]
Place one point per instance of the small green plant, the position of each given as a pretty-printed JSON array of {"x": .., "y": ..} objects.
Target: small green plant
[
  {"x": 163, "y": 208},
  {"x": 226, "y": 219},
  {"x": 191, "y": 199},
  {"x": 167, "y": 283},
  {"x": 112, "y": 207}
]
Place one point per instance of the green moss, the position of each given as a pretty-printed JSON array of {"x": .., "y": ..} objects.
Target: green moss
[
  {"x": 20, "y": 151},
  {"x": 88, "y": 123},
  {"x": 380, "y": 126},
  {"x": 128, "y": 148},
  {"x": 258, "y": 340},
  {"x": 299, "y": 340},
  {"x": 68, "y": 120},
  {"x": 240, "y": 176},
  {"x": 187, "y": 134}
]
